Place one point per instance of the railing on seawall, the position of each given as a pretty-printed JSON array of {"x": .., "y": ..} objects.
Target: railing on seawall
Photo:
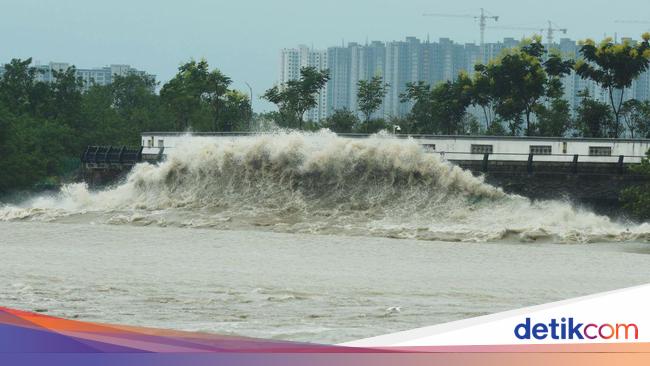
[
  {"x": 110, "y": 156},
  {"x": 570, "y": 163},
  {"x": 407, "y": 136}
]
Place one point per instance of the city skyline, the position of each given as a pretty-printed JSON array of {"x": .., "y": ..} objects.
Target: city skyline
[
  {"x": 102, "y": 75},
  {"x": 431, "y": 61},
  {"x": 413, "y": 60},
  {"x": 242, "y": 39}
]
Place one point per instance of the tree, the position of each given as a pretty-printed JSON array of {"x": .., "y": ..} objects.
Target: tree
[
  {"x": 422, "y": 111},
  {"x": 16, "y": 85},
  {"x": 406, "y": 124},
  {"x": 216, "y": 89},
  {"x": 496, "y": 128},
  {"x": 193, "y": 90},
  {"x": 637, "y": 199},
  {"x": 35, "y": 123},
  {"x": 374, "y": 126},
  {"x": 482, "y": 94},
  {"x": 237, "y": 112},
  {"x": 370, "y": 95},
  {"x": 132, "y": 91},
  {"x": 440, "y": 109},
  {"x": 135, "y": 100},
  {"x": 342, "y": 121},
  {"x": 296, "y": 97},
  {"x": 450, "y": 102},
  {"x": 614, "y": 66},
  {"x": 636, "y": 115},
  {"x": 594, "y": 118},
  {"x": 32, "y": 151},
  {"x": 517, "y": 83},
  {"x": 66, "y": 95},
  {"x": 180, "y": 102},
  {"x": 471, "y": 125},
  {"x": 37, "y": 118},
  {"x": 556, "y": 68},
  {"x": 554, "y": 120},
  {"x": 103, "y": 123}
]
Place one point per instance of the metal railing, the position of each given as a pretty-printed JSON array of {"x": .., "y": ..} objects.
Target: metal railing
[
  {"x": 415, "y": 136},
  {"x": 111, "y": 155},
  {"x": 573, "y": 159},
  {"x": 537, "y": 155}
]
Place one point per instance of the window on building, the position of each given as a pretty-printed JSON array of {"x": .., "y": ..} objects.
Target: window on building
[
  {"x": 161, "y": 143},
  {"x": 540, "y": 149},
  {"x": 481, "y": 149},
  {"x": 429, "y": 147},
  {"x": 600, "y": 151}
]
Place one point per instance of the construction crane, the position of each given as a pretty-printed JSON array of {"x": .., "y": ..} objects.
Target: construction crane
[
  {"x": 482, "y": 18},
  {"x": 550, "y": 31}
]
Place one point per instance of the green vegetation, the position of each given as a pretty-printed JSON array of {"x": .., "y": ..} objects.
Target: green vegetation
[
  {"x": 636, "y": 199},
  {"x": 636, "y": 115},
  {"x": 521, "y": 93},
  {"x": 614, "y": 67},
  {"x": 370, "y": 96},
  {"x": 44, "y": 127},
  {"x": 342, "y": 121},
  {"x": 595, "y": 118},
  {"x": 441, "y": 109},
  {"x": 520, "y": 80},
  {"x": 296, "y": 97}
]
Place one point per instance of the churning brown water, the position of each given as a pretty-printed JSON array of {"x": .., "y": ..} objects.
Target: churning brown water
[{"x": 293, "y": 236}]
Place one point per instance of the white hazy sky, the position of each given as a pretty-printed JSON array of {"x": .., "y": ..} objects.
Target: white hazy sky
[{"x": 243, "y": 37}]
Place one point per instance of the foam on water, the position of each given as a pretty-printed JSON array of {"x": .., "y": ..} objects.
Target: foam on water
[{"x": 321, "y": 183}]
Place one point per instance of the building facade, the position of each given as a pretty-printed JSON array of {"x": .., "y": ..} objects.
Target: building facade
[
  {"x": 294, "y": 59},
  {"x": 90, "y": 77},
  {"x": 413, "y": 60}
]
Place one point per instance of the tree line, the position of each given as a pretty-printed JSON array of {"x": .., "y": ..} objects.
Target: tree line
[
  {"x": 519, "y": 93},
  {"x": 44, "y": 126}
]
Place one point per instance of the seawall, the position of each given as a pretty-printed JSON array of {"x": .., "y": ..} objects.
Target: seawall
[{"x": 595, "y": 185}]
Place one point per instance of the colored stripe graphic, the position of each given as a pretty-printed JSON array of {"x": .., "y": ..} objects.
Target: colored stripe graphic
[{"x": 35, "y": 339}]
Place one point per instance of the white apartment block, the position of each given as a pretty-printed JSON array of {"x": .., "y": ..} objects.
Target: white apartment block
[
  {"x": 401, "y": 62},
  {"x": 90, "y": 77},
  {"x": 292, "y": 60}
]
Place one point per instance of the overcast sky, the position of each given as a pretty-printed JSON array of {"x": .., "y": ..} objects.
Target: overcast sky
[{"x": 243, "y": 37}]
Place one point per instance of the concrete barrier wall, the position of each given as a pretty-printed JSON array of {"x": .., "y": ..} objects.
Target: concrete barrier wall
[
  {"x": 594, "y": 185},
  {"x": 453, "y": 148}
]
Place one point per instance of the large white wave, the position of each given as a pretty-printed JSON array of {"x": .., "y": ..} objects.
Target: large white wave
[{"x": 321, "y": 183}]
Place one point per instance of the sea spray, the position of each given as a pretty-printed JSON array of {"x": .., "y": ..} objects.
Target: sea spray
[{"x": 325, "y": 184}]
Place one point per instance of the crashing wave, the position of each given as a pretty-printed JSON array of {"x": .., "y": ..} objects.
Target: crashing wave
[{"x": 324, "y": 184}]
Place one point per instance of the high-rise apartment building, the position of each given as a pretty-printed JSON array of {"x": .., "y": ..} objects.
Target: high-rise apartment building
[
  {"x": 398, "y": 63},
  {"x": 94, "y": 76},
  {"x": 412, "y": 60},
  {"x": 294, "y": 59}
]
